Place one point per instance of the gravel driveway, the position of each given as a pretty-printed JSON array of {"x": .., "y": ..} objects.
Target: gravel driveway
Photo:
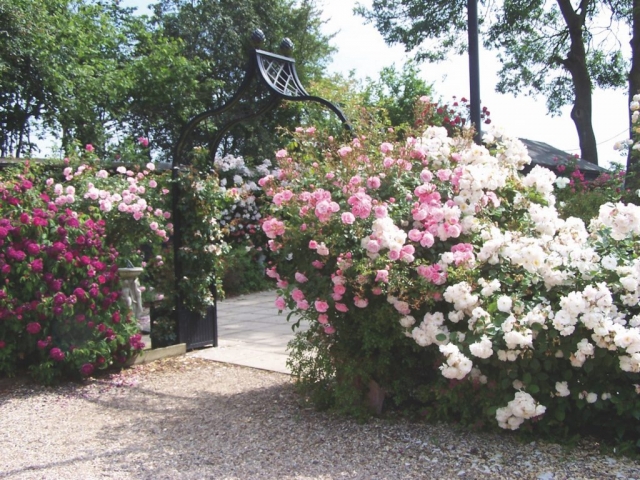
[{"x": 187, "y": 418}]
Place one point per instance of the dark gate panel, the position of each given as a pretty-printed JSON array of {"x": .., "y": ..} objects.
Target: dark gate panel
[{"x": 197, "y": 330}]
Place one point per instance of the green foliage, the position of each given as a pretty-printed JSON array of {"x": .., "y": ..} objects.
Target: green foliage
[
  {"x": 582, "y": 198},
  {"x": 411, "y": 22},
  {"x": 243, "y": 272},
  {"x": 396, "y": 91},
  {"x": 201, "y": 244}
]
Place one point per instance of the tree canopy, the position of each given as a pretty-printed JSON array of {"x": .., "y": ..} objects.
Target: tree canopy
[
  {"x": 560, "y": 49},
  {"x": 93, "y": 72}
]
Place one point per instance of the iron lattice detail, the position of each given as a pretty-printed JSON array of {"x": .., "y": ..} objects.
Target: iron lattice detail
[{"x": 280, "y": 74}]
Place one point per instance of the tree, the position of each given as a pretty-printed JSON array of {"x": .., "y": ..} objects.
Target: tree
[
  {"x": 397, "y": 91},
  {"x": 545, "y": 47},
  {"x": 24, "y": 71},
  {"x": 215, "y": 36},
  {"x": 60, "y": 65}
]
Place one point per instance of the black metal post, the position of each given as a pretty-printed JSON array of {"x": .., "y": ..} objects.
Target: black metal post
[{"x": 474, "y": 67}]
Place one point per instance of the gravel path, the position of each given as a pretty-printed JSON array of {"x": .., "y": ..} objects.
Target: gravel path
[{"x": 186, "y": 418}]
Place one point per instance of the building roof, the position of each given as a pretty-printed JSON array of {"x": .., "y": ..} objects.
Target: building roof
[{"x": 545, "y": 155}]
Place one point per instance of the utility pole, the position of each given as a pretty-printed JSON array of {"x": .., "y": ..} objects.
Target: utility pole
[{"x": 474, "y": 67}]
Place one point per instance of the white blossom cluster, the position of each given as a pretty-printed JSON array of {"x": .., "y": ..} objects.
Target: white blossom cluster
[
  {"x": 552, "y": 251},
  {"x": 242, "y": 215},
  {"x": 521, "y": 408}
]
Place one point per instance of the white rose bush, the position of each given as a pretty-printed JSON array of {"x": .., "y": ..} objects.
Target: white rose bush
[{"x": 436, "y": 271}]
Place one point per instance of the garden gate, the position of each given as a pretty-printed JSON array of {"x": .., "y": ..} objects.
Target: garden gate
[{"x": 273, "y": 79}]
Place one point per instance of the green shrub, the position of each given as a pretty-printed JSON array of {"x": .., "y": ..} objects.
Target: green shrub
[{"x": 243, "y": 272}]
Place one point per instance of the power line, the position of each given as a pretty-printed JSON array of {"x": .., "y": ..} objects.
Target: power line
[{"x": 597, "y": 145}]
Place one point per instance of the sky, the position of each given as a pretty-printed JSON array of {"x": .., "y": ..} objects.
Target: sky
[{"x": 362, "y": 49}]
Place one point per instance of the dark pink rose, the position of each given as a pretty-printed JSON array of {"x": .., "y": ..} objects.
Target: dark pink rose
[
  {"x": 33, "y": 249},
  {"x": 86, "y": 369},
  {"x": 17, "y": 255},
  {"x": 56, "y": 354},
  {"x": 37, "y": 265},
  {"x": 80, "y": 293},
  {"x": 33, "y": 328}
]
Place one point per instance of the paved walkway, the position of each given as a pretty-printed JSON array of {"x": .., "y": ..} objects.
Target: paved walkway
[{"x": 251, "y": 333}]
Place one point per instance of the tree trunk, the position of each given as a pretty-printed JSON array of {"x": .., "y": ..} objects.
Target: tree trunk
[
  {"x": 632, "y": 179},
  {"x": 576, "y": 65}
]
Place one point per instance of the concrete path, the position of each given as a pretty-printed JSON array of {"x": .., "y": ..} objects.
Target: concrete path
[{"x": 251, "y": 333}]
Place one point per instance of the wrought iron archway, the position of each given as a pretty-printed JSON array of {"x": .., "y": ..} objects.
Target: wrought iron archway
[{"x": 275, "y": 80}]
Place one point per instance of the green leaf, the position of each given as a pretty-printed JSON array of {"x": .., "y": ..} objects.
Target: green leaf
[{"x": 535, "y": 365}]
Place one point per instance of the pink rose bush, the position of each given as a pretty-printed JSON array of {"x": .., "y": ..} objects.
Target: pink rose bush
[
  {"x": 454, "y": 284},
  {"x": 135, "y": 208},
  {"x": 59, "y": 288}
]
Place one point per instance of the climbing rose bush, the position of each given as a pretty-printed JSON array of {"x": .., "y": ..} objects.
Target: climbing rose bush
[
  {"x": 438, "y": 272},
  {"x": 59, "y": 288}
]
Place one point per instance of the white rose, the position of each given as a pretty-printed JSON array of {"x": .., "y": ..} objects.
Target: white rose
[
  {"x": 504, "y": 304},
  {"x": 562, "y": 389}
]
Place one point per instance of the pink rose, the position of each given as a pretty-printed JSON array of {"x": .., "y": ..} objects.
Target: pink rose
[
  {"x": 348, "y": 218},
  {"x": 297, "y": 294},
  {"x": 302, "y": 305},
  {"x": 323, "y": 319},
  {"x": 321, "y": 306},
  {"x": 341, "y": 307},
  {"x": 360, "y": 302},
  {"x": 328, "y": 329},
  {"x": 280, "y": 303},
  {"x": 382, "y": 276},
  {"x": 322, "y": 250},
  {"x": 386, "y": 147},
  {"x": 373, "y": 182},
  {"x": 344, "y": 151},
  {"x": 301, "y": 278}
]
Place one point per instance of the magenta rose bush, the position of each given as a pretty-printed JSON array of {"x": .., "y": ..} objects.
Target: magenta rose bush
[
  {"x": 434, "y": 272},
  {"x": 59, "y": 288}
]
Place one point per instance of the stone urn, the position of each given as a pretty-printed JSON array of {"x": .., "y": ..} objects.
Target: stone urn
[{"x": 131, "y": 293}]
